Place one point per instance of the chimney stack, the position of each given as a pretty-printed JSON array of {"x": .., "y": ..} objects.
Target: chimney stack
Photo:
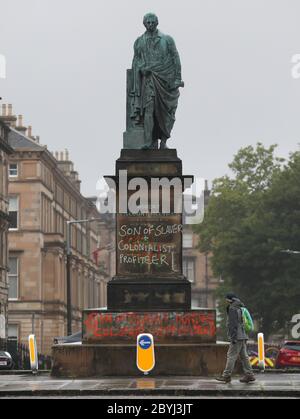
[
  {"x": 67, "y": 167},
  {"x": 7, "y": 116},
  {"x": 20, "y": 126},
  {"x": 29, "y": 131}
]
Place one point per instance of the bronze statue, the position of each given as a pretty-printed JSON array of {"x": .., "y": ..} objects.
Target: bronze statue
[{"x": 156, "y": 78}]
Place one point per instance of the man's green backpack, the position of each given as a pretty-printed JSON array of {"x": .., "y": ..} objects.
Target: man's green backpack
[{"x": 247, "y": 320}]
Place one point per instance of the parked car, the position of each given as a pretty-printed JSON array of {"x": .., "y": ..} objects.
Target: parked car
[
  {"x": 6, "y": 361},
  {"x": 289, "y": 355},
  {"x": 73, "y": 339}
]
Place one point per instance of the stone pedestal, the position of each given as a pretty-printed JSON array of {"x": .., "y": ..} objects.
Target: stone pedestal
[
  {"x": 149, "y": 244},
  {"x": 119, "y": 360}
]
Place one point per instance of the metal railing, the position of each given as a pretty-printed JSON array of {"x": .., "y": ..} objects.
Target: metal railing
[{"x": 20, "y": 355}]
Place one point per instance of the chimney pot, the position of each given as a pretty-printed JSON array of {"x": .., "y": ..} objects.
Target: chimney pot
[
  {"x": 20, "y": 121},
  {"x": 29, "y": 131},
  {"x": 4, "y": 110}
]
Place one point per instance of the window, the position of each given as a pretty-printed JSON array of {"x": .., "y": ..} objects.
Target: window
[
  {"x": 14, "y": 213},
  {"x": 3, "y": 244},
  {"x": 91, "y": 293},
  {"x": 188, "y": 240},
  {"x": 199, "y": 301},
  {"x": 13, "y": 170},
  {"x": 13, "y": 332},
  {"x": 195, "y": 303},
  {"x": 13, "y": 280},
  {"x": 292, "y": 346},
  {"x": 79, "y": 294},
  {"x": 189, "y": 269}
]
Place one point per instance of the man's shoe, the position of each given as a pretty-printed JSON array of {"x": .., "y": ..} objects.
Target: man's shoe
[
  {"x": 248, "y": 379},
  {"x": 225, "y": 380}
]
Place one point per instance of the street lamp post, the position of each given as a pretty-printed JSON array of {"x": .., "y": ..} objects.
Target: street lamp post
[{"x": 68, "y": 268}]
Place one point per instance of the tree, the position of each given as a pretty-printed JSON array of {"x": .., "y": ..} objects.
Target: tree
[{"x": 250, "y": 218}]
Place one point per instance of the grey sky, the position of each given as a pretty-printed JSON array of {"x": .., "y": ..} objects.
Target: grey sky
[{"x": 66, "y": 74}]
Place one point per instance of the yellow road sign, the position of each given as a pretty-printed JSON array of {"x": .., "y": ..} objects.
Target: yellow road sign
[{"x": 145, "y": 353}]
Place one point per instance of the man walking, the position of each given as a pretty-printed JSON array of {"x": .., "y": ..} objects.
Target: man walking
[{"x": 238, "y": 342}]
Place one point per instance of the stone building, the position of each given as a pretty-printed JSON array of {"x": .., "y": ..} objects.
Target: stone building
[
  {"x": 197, "y": 267},
  {"x": 5, "y": 151},
  {"x": 44, "y": 193}
]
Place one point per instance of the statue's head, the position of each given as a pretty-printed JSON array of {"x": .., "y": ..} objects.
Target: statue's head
[{"x": 150, "y": 22}]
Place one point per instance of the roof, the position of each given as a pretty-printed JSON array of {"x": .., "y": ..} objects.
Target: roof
[
  {"x": 5, "y": 147},
  {"x": 17, "y": 140},
  {"x": 4, "y": 141}
]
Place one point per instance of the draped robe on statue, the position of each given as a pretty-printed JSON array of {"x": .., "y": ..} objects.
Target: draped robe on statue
[{"x": 156, "y": 80}]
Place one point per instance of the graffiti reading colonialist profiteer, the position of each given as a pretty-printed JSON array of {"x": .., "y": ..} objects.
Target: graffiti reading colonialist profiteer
[
  {"x": 156, "y": 80},
  {"x": 148, "y": 246}
]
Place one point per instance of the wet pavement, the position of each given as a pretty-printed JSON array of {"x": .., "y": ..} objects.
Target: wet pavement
[{"x": 267, "y": 385}]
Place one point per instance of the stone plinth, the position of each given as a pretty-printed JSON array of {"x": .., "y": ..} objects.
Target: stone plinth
[
  {"x": 86, "y": 361},
  {"x": 195, "y": 326},
  {"x": 149, "y": 273}
]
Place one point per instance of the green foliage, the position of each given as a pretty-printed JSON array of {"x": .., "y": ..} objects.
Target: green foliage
[{"x": 251, "y": 217}]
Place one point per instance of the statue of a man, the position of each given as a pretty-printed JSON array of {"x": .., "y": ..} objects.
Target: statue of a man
[{"x": 156, "y": 73}]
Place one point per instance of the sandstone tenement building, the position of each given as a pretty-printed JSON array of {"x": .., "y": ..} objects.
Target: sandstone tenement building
[
  {"x": 44, "y": 193},
  {"x": 5, "y": 151}
]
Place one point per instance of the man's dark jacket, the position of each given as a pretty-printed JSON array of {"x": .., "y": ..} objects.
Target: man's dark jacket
[{"x": 235, "y": 324}]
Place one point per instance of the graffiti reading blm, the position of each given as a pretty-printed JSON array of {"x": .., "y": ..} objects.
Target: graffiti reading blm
[{"x": 149, "y": 246}]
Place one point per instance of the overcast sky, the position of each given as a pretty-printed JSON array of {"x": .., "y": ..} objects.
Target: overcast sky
[{"x": 66, "y": 73}]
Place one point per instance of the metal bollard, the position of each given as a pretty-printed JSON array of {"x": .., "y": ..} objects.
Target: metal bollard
[
  {"x": 261, "y": 351},
  {"x": 34, "y": 362}
]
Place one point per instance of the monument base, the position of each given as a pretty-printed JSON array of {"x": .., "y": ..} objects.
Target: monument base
[
  {"x": 185, "y": 344},
  {"x": 163, "y": 294},
  {"x": 86, "y": 361},
  {"x": 103, "y": 326}
]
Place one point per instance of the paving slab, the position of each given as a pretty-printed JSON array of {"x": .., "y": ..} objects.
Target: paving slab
[{"x": 275, "y": 385}]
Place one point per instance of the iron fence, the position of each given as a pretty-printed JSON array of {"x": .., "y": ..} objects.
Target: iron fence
[{"x": 21, "y": 357}]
